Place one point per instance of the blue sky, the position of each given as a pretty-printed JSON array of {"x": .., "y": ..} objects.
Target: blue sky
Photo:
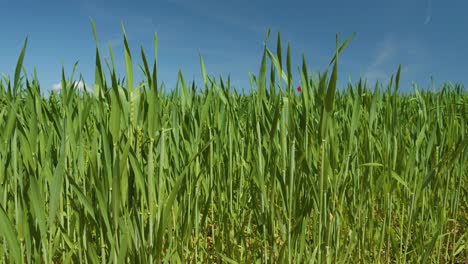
[{"x": 428, "y": 37}]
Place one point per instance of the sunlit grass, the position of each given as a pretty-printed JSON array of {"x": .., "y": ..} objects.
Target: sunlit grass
[{"x": 130, "y": 174}]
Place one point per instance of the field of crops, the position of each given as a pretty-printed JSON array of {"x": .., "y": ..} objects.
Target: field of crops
[{"x": 133, "y": 174}]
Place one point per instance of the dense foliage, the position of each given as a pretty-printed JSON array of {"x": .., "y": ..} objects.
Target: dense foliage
[{"x": 135, "y": 175}]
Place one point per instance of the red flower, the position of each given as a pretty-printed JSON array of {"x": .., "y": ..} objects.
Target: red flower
[{"x": 298, "y": 89}]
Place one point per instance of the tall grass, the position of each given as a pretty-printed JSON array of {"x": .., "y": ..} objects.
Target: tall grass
[{"x": 130, "y": 174}]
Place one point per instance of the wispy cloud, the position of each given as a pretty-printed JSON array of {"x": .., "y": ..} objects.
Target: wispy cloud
[
  {"x": 57, "y": 86},
  {"x": 80, "y": 85},
  {"x": 388, "y": 49},
  {"x": 377, "y": 70},
  {"x": 392, "y": 51},
  {"x": 428, "y": 12},
  {"x": 373, "y": 76},
  {"x": 218, "y": 13},
  {"x": 136, "y": 24}
]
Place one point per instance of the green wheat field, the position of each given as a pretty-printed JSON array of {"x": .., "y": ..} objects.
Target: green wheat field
[{"x": 132, "y": 174}]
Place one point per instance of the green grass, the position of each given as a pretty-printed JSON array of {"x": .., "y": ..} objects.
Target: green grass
[{"x": 130, "y": 174}]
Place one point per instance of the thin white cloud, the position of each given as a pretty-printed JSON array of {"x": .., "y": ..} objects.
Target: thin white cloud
[
  {"x": 80, "y": 85},
  {"x": 57, "y": 86},
  {"x": 384, "y": 76},
  {"x": 390, "y": 53},
  {"x": 373, "y": 75},
  {"x": 218, "y": 12},
  {"x": 387, "y": 50},
  {"x": 428, "y": 12}
]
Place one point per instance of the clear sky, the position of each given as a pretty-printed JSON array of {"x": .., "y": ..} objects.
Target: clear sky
[{"x": 428, "y": 37}]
